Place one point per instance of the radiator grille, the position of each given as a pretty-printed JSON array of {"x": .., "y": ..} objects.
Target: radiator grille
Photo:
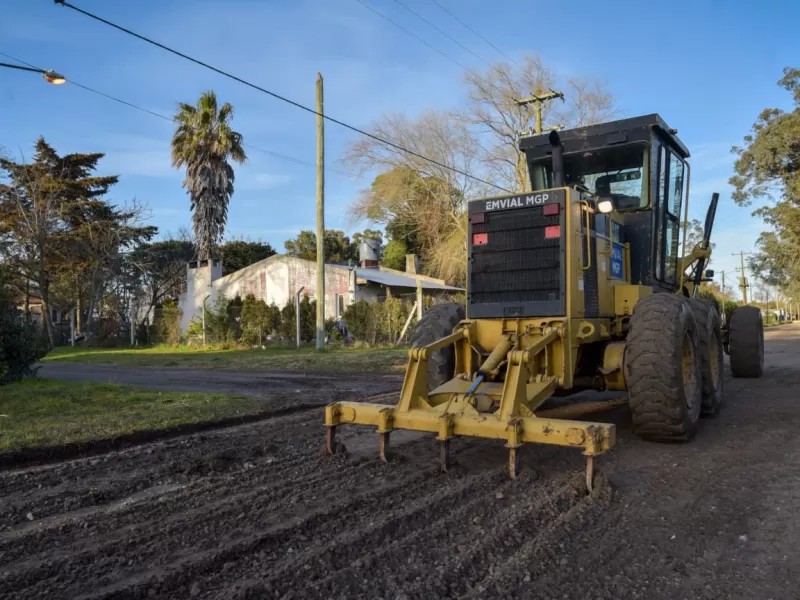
[{"x": 517, "y": 265}]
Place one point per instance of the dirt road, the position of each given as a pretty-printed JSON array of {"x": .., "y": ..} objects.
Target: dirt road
[
  {"x": 257, "y": 512},
  {"x": 250, "y": 383}
]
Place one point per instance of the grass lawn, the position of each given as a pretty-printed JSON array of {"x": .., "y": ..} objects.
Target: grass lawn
[
  {"x": 48, "y": 413},
  {"x": 346, "y": 360}
]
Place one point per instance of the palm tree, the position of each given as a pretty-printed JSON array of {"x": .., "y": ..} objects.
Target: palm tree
[{"x": 204, "y": 142}]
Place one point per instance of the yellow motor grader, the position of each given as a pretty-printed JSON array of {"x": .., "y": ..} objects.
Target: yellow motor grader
[{"x": 579, "y": 284}]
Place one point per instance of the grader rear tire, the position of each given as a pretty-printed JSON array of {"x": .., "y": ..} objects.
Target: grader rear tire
[
  {"x": 438, "y": 322},
  {"x": 709, "y": 344},
  {"x": 746, "y": 342},
  {"x": 662, "y": 369}
]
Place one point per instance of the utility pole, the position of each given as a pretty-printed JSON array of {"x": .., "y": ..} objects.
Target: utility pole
[
  {"x": 743, "y": 285},
  {"x": 297, "y": 314},
  {"x": 722, "y": 289},
  {"x": 320, "y": 219},
  {"x": 538, "y": 100}
]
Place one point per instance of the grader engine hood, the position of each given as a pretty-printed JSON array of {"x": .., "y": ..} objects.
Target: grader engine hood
[{"x": 517, "y": 261}]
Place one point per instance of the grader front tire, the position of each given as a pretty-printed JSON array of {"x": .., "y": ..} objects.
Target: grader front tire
[
  {"x": 746, "y": 342},
  {"x": 709, "y": 345},
  {"x": 662, "y": 369},
  {"x": 438, "y": 322}
]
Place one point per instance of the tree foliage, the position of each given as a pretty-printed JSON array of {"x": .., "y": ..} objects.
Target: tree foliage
[
  {"x": 394, "y": 257},
  {"x": 238, "y": 254},
  {"x": 768, "y": 168},
  {"x": 159, "y": 270},
  {"x": 423, "y": 212},
  {"x": 339, "y": 249},
  {"x": 58, "y": 233},
  {"x": 204, "y": 144}
]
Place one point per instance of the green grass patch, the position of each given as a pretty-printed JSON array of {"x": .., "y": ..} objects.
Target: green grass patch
[
  {"x": 347, "y": 360},
  {"x": 36, "y": 413}
]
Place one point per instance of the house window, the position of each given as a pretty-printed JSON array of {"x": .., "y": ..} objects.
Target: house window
[{"x": 340, "y": 304}]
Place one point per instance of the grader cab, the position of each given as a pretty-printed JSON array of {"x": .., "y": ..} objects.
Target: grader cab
[{"x": 579, "y": 284}]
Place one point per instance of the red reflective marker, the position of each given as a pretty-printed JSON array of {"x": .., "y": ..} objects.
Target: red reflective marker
[
  {"x": 552, "y": 231},
  {"x": 550, "y": 210}
]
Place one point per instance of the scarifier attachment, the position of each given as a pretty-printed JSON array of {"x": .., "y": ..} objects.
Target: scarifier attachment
[{"x": 471, "y": 406}]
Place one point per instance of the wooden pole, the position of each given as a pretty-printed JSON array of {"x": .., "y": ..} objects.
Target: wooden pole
[
  {"x": 420, "y": 304},
  {"x": 297, "y": 313},
  {"x": 320, "y": 218},
  {"x": 408, "y": 322}
]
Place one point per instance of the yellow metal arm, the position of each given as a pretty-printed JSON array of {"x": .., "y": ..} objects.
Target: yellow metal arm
[{"x": 593, "y": 438}]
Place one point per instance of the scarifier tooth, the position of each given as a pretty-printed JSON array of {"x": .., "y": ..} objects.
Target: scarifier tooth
[
  {"x": 444, "y": 455},
  {"x": 384, "y": 446},
  {"x": 330, "y": 439},
  {"x": 590, "y": 473},
  {"x": 513, "y": 463}
]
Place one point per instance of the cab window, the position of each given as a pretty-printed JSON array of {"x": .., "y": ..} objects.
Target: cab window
[
  {"x": 620, "y": 172},
  {"x": 669, "y": 199}
]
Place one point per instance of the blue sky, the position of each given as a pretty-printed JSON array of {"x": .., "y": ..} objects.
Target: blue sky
[{"x": 707, "y": 66}]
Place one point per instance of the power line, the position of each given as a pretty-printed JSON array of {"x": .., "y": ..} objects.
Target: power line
[
  {"x": 412, "y": 34},
  {"x": 20, "y": 61},
  {"x": 476, "y": 33},
  {"x": 166, "y": 118},
  {"x": 277, "y": 96},
  {"x": 447, "y": 35}
]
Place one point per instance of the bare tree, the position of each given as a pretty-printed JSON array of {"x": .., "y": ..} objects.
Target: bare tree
[
  {"x": 493, "y": 94},
  {"x": 436, "y": 134},
  {"x": 422, "y": 199}
]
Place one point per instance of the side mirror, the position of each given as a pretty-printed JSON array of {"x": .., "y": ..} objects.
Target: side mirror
[{"x": 709, "y": 273}]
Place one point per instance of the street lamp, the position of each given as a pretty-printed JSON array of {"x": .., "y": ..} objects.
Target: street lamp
[{"x": 49, "y": 75}]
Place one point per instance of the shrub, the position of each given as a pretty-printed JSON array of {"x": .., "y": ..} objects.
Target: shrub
[
  {"x": 379, "y": 322},
  {"x": 287, "y": 324},
  {"x": 258, "y": 320},
  {"x": 167, "y": 324},
  {"x": 332, "y": 332},
  {"x": 21, "y": 344},
  {"x": 359, "y": 320},
  {"x": 308, "y": 320}
]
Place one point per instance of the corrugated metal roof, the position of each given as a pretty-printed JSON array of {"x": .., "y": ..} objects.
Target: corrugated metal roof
[{"x": 397, "y": 280}]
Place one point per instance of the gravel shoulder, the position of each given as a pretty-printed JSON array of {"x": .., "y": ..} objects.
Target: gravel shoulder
[{"x": 257, "y": 512}]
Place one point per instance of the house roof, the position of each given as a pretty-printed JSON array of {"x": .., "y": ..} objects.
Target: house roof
[{"x": 397, "y": 280}]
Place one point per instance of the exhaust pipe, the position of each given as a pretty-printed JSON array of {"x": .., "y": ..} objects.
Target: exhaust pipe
[{"x": 558, "y": 160}]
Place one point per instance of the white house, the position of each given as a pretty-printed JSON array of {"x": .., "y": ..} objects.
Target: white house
[{"x": 278, "y": 278}]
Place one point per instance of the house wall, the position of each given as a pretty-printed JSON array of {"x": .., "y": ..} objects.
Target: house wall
[
  {"x": 338, "y": 280},
  {"x": 274, "y": 280}
]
